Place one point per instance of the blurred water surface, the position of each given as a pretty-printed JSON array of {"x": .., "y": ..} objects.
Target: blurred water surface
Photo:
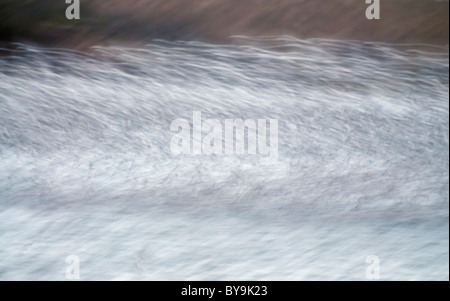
[{"x": 363, "y": 167}]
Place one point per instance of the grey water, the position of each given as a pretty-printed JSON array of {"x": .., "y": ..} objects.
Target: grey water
[{"x": 363, "y": 167}]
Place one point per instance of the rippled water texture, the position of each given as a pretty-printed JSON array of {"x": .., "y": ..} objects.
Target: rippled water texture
[{"x": 363, "y": 166}]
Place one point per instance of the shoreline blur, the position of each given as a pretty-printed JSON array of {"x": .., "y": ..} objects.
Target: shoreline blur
[{"x": 136, "y": 23}]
